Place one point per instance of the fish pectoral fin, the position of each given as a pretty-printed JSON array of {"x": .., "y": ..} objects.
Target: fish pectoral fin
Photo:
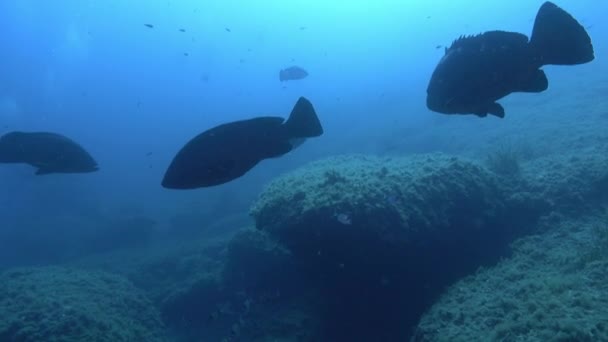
[
  {"x": 496, "y": 109},
  {"x": 535, "y": 83},
  {"x": 43, "y": 171}
]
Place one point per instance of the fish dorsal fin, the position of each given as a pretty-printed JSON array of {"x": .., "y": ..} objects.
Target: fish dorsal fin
[
  {"x": 461, "y": 42},
  {"x": 488, "y": 40}
]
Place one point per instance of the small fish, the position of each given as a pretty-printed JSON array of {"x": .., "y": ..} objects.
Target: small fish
[
  {"x": 47, "y": 152},
  {"x": 438, "y": 47},
  {"x": 228, "y": 151},
  {"x": 148, "y": 154},
  {"x": 186, "y": 54},
  {"x": 476, "y": 71},
  {"x": 292, "y": 73},
  {"x": 182, "y": 30},
  {"x": 149, "y": 25},
  {"x": 302, "y": 28},
  {"x": 344, "y": 219},
  {"x": 227, "y": 29}
]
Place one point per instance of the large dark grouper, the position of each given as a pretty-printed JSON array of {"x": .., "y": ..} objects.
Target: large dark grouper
[
  {"x": 228, "y": 151},
  {"x": 48, "y": 152},
  {"x": 477, "y": 71},
  {"x": 292, "y": 73}
]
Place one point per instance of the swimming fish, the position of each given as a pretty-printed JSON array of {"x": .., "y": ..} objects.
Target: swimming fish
[
  {"x": 476, "y": 71},
  {"x": 48, "y": 152},
  {"x": 292, "y": 73},
  {"x": 344, "y": 219},
  {"x": 228, "y": 151}
]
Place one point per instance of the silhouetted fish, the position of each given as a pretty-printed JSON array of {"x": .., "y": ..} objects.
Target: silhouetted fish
[
  {"x": 149, "y": 25},
  {"x": 48, "y": 152},
  {"x": 292, "y": 73},
  {"x": 228, "y": 151},
  {"x": 477, "y": 71}
]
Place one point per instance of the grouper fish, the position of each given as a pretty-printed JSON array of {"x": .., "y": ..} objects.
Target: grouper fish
[
  {"x": 226, "y": 152},
  {"x": 47, "y": 152},
  {"x": 292, "y": 73},
  {"x": 476, "y": 71}
]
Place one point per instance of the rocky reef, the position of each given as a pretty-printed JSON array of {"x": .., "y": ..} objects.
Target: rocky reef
[
  {"x": 570, "y": 183},
  {"x": 552, "y": 289},
  {"x": 379, "y": 238},
  {"x": 62, "y": 304}
]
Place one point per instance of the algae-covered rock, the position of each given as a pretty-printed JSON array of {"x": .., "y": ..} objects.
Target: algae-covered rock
[
  {"x": 568, "y": 182},
  {"x": 553, "y": 288},
  {"x": 380, "y": 237},
  {"x": 60, "y": 304},
  {"x": 396, "y": 198}
]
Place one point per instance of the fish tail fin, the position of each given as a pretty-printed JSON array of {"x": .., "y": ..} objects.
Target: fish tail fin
[
  {"x": 303, "y": 121},
  {"x": 559, "y": 38}
]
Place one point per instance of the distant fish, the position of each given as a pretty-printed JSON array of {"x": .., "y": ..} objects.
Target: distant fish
[
  {"x": 228, "y": 151},
  {"x": 48, "y": 152},
  {"x": 227, "y": 29},
  {"x": 182, "y": 30},
  {"x": 344, "y": 219},
  {"x": 477, "y": 71},
  {"x": 292, "y": 73},
  {"x": 149, "y": 25},
  {"x": 186, "y": 54}
]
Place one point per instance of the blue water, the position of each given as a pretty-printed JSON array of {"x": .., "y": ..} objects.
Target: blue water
[{"x": 132, "y": 97}]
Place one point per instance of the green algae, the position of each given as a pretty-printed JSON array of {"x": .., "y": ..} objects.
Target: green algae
[
  {"x": 427, "y": 192},
  {"x": 61, "y": 304},
  {"x": 542, "y": 293}
]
